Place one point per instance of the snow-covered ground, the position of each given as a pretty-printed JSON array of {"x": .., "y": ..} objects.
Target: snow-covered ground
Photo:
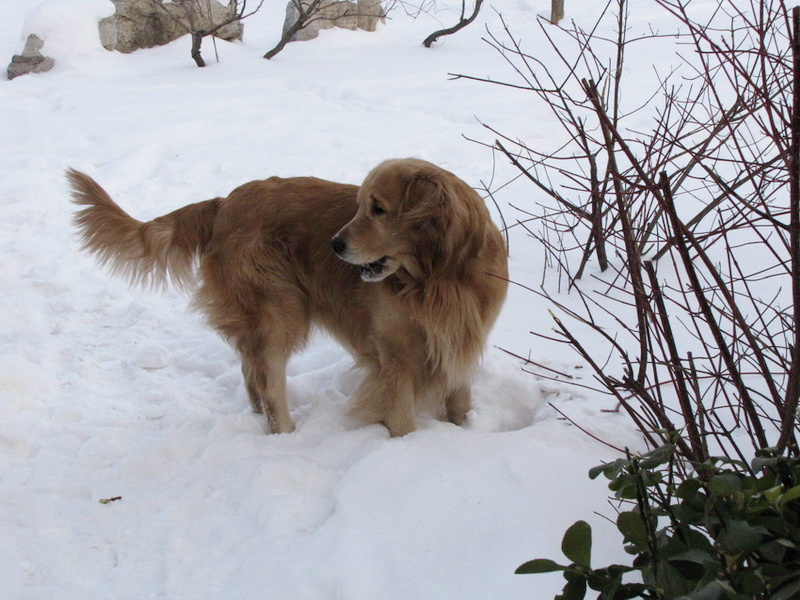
[{"x": 107, "y": 391}]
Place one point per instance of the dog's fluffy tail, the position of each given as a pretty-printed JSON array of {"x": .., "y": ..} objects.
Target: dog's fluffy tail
[{"x": 155, "y": 253}]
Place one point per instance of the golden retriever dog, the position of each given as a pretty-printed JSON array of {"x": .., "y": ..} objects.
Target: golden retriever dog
[{"x": 407, "y": 271}]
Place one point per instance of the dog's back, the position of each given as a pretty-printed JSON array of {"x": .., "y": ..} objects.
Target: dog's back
[{"x": 269, "y": 251}]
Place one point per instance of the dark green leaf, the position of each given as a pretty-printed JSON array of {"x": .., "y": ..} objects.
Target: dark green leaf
[
  {"x": 772, "y": 551},
  {"x": 779, "y": 573},
  {"x": 688, "y": 489},
  {"x": 736, "y": 466},
  {"x": 538, "y": 565},
  {"x": 773, "y": 494},
  {"x": 724, "y": 484},
  {"x": 699, "y": 541},
  {"x": 690, "y": 572},
  {"x": 762, "y": 462},
  {"x": 577, "y": 543},
  {"x": 670, "y": 580},
  {"x": 624, "y": 486},
  {"x": 600, "y": 581},
  {"x": 657, "y": 457},
  {"x": 712, "y": 591},
  {"x": 787, "y": 592},
  {"x": 632, "y": 526},
  {"x": 693, "y": 555},
  {"x": 791, "y": 494},
  {"x": 627, "y": 591},
  {"x": 741, "y": 537},
  {"x": 574, "y": 590},
  {"x": 749, "y": 584},
  {"x": 610, "y": 470},
  {"x": 606, "y": 579}
]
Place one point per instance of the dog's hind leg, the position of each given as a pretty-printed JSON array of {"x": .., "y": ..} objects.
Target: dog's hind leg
[
  {"x": 262, "y": 313},
  {"x": 264, "y": 370}
]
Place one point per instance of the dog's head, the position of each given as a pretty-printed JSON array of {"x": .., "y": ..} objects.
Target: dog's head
[{"x": 411, "y": 215}]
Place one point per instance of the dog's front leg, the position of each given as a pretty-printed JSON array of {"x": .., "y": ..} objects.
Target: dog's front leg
[
  {"x": 458, "y": 403},
  {"x": 386, "y": 398},
  {"x": 400, "y": 419}
]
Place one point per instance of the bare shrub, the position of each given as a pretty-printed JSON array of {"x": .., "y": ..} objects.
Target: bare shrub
[
  {"x": 197, "y": 19},
  {"x": 343, "y": 13},
  {"x": 689, "y": 225}
]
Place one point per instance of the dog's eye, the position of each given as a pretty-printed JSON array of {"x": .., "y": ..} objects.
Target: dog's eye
[{"x": 378, "y": 210}]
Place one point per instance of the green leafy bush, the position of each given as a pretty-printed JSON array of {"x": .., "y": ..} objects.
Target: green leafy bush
[{"x": 727, "y": 531}]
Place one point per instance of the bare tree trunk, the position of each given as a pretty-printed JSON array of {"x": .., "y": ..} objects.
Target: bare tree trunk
[
  {"x": 304, "y": 15},
  {"x": 556, "y": 11},
  {"x": 197, "y": 40},
  {"x": 287, "y": 35}
]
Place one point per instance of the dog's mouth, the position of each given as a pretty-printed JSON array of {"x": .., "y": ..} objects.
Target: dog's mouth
[{"x": 374, "y": 271}]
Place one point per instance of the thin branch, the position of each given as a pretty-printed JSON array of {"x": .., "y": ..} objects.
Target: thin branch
[{"x": 431, "y": 39}]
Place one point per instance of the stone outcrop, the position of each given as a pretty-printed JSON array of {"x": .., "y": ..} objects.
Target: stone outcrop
[
  {"x": 31, "y": 60},
  {"x": 360, "y": 14},
  {"x": 137, "y": 24},
  {"x": 141, "y": 24}
]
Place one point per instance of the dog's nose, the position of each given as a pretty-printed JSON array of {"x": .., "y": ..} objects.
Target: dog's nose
[{"x": 338, "y": 244}]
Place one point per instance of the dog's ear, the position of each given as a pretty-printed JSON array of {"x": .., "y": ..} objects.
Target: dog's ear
[
  {"x": 440, "y": 216},
  {"x": 424, "y": 212}
]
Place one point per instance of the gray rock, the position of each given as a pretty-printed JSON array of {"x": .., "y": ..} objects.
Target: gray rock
[
  {"x": 361, "y": 14},
  {"x": 370, "y": 12},
  {"x": 31, "y": 60},
  {"x": 141, "y": 24}
]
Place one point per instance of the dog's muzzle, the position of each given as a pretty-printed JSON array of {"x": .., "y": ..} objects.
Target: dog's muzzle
[{"x": 373, "y": 271}]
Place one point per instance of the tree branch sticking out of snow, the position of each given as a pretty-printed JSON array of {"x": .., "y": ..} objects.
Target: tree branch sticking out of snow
[
  {"x": 462, "y": 22},
  {"x": 335, "y": 11}
]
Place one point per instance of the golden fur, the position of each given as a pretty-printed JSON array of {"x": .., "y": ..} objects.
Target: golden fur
[{"x": 419, "y": 279}]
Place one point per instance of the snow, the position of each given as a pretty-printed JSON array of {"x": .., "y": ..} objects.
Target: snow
[{"x": 109, "y": 392}]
